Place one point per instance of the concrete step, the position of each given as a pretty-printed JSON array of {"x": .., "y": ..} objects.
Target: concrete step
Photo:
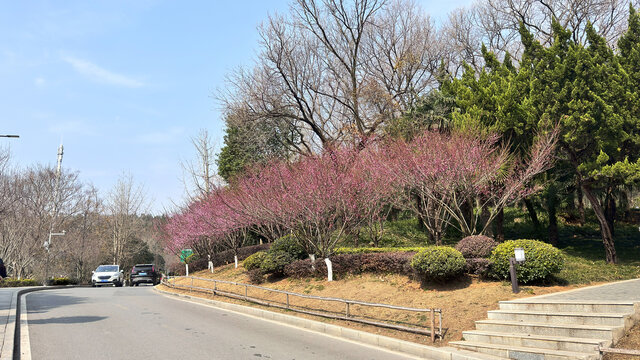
[
  {"x": 610, "y": 319},
  {"x": 584, "y": 345},
  {"x": 568, "y": 306},
  {"x": 459, "y": 354},
  {"x": 518, "y": 352},
  {"x": 602, "y": 332}
]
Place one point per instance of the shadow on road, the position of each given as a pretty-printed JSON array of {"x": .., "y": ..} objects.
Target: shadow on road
[
  {"x": 36, "y": 302},
  {"x": 68, "y": 320}
]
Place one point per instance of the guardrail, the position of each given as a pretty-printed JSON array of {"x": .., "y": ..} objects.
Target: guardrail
[{"x": 347, "y": 315}]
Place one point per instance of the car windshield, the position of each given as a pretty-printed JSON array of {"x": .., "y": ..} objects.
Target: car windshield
[{"x": 107, "y": 268}]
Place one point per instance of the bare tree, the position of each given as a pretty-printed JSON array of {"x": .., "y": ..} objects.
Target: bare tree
[
  {"x": 125, "y": 203},
  {"x": 199, "y": 176},
  {"x": 335, "y": 70},
  {"x": 496, "y": 23},
  {"x": 84, "y": 236}
]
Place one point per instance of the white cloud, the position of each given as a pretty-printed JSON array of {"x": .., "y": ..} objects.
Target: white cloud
[
  {"x": 39, "y": 82},
  {"x": 99, "y": 74}
]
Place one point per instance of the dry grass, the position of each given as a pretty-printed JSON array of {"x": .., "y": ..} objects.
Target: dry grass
[
  {"x": 630, "y": 341},
  {"x": 462, "y": 302}
]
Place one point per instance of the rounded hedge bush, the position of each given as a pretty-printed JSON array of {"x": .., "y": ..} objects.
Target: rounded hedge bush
[
  {"x": 476, "y": 246},
  {"x": 254, "y": 261},
  {"x": 541, "y": 260},
  {"x": 275, "y": 261},
  {"x": 438, "y": 263},
  {"x": 290, "y": 245}
]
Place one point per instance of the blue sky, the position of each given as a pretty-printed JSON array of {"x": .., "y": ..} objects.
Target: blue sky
[{"x": 124, "y": 84}]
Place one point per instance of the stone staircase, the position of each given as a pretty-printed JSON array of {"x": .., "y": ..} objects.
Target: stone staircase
[{"x": 551, "y": 329}]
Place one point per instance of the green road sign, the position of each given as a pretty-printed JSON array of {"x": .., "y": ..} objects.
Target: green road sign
[{"x": 184, "y": 254}]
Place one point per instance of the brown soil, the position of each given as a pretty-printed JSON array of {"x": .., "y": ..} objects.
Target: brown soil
[
  {"x": 630, "y": 341},
  {"x": 462, "y": 302}
]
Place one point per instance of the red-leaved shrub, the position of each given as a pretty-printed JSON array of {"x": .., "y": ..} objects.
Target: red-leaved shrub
[{"x": 476, "y": 246}]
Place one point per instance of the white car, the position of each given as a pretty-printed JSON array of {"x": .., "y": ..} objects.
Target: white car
[{"x": 107, "y": 275}]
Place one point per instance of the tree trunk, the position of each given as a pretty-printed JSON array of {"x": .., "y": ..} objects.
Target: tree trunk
[
  {"x": 329, "y": 269},
  {"x": 532, "y": 213},
  {"x": 500, "y": 226},
  {"x": 484, "y": 216},
  {"x": 607, "y": 236},
  {"x": 579, "y": 196},
  {"x": 552, "y": 204},
  {"x": 610, "y": 210}
]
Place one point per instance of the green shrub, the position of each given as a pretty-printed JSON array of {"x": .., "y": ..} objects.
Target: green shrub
[
  {"x": 364, "y": 250},
  {"x": 63, "y": 281},
  {"x": 541, "y": 261},
  {"x": 275, "y": 261},
  {"x": 256, "y": 276},
  {"x": 438, "y": 263},
  {"x": 254, "y": 261},
  {"x": 290, "y": 245},
  {"x": 11, "y": 282}
]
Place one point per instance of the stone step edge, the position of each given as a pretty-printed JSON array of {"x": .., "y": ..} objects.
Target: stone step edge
[
  {"x": 590, "y": 341},
  {"x": 569, "y": 302},
  {"x": 469, "y": 354},
  {"x": 568, "y": 354},
  {"x": 547, "y": 325},
  {"x": 524, "y": 312}
]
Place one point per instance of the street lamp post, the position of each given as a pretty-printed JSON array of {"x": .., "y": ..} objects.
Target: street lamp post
[{"x": 10, "y": 136}]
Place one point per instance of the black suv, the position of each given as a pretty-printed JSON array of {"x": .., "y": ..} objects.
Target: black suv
[{"x": 144, "y": 273}]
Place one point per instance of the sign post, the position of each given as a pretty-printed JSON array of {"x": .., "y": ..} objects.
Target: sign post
[{"x": 185, "y": 257}]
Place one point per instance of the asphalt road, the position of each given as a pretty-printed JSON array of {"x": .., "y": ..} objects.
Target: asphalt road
[{"x": 137, "y": 323}]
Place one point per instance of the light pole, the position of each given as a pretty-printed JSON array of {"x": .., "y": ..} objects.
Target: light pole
[
  {"x": 54, "y": 212},
  {"x": 10, "y": 136}
]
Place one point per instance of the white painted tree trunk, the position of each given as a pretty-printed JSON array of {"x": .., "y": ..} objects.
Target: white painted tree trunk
[
  {"x": 235, "y": 259},
  {"x": 329, "y": 269},
  {"x": 187, "y": 269},
  {"x": 313, "y": 261}
]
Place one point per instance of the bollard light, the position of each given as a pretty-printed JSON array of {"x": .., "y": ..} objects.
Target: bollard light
[{"x": 519, "y": 252}]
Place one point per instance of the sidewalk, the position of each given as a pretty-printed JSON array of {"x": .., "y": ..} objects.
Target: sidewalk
[
  {"x": 627, "y": 290},
  {"x": 7, "y": 321}
]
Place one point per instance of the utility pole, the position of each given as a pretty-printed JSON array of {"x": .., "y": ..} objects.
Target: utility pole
[{"x": 54, "y": 212}]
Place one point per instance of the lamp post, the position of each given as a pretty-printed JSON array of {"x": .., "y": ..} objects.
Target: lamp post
[
  {"x": 519, "y": 258},
  {"x": 10, "y": 136}
]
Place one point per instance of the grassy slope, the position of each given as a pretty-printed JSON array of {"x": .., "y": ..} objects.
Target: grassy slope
[{"x": 467, "y": 300}]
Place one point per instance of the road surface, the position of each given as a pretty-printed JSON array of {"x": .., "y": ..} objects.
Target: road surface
[{"x": 138, "y": 323}]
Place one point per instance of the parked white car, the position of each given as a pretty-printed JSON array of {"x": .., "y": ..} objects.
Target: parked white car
[{"x": 107, "y": 275}]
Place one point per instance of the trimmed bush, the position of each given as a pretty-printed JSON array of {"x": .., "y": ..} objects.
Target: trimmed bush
[
  {"x": 254, "y": 261},
  {"x": 11, "y": 282},
  {"x": 438, "y": 263},
  {"x": 275, "y": 261},
  {"x": 256, "y": 276},
  {"x": 476, "y": 246},
  {"x": 365, "y": 250},
  {"x": 478, "y": 266},
  {"x": 221, "y": 258},
  {"x": 541, "y": 261},
  {"x": 398, "y": 262},
  {"x": 290, "y": 245},
  {"x": 63, "y": 281}
]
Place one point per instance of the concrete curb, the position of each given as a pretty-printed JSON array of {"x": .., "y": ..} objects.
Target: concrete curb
[
  {"x": 10, "y": 329},
  {"x": 401, "y": 346}
]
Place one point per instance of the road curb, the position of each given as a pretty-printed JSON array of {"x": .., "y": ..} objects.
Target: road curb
[
  {"x": 10, "y": 328},
  {"x": 401, "y": 346}
]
